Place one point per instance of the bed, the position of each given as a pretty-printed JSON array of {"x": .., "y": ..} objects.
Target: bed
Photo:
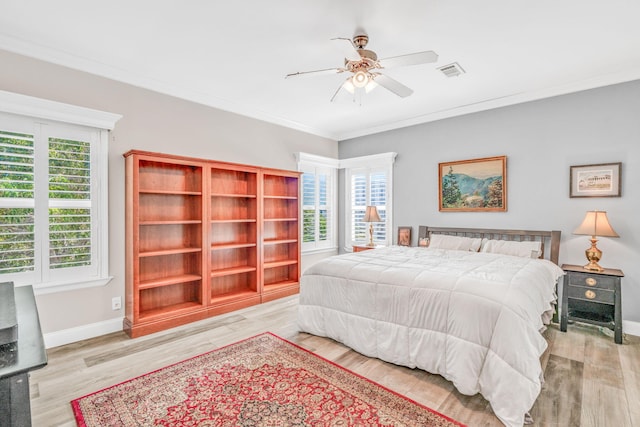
[{"x": 471, "y": 314}]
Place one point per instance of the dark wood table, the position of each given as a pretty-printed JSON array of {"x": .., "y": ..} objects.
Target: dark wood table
[
  {"x": 18, "y": 358},
  {"x": 593, "y": 297}
]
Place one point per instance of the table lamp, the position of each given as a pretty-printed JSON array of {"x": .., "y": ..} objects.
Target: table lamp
[
  {"x": 371, "y": 216},
  {"x": 595, "y": 224}
]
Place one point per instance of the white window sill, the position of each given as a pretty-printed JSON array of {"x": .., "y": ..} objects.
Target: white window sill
[
  {"x": 53, "y": 287},
  {"x": 319, "y": 251}
]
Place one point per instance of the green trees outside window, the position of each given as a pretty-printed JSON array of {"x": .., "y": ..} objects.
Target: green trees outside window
[{"x": 69, "y": 202}]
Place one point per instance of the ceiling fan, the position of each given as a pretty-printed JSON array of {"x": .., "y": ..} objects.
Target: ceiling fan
[{"x": 363, "y": 64}]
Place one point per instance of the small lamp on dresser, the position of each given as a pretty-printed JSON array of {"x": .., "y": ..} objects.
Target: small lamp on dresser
[
  {"x": 595, "y": 224},
  {"x": 371, "y": 215}
]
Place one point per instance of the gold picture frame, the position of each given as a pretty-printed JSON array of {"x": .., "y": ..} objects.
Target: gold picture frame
[
  {"x": 600, "y": 180},
  {"x": 476, "y": 185}
]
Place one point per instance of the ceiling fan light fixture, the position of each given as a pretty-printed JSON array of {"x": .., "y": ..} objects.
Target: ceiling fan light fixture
[
  {"x": 349, "y": 87},
  {"x": 370, "y": 86},
  {"x": 360, "y": 79}
]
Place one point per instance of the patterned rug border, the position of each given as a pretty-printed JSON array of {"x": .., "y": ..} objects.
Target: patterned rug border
[
  {"x": 77, "y": 411},
  {"x": 75, "y": 403}
]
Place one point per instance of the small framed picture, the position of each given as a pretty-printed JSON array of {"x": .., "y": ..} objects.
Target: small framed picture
[
  {"x": 601, "y": 180},
  {"x": 423, "y": 242},
  {"x": 404, "y": 236}
]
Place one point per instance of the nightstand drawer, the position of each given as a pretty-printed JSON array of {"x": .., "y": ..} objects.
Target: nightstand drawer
[
  {"x": 592, "y": 281},
  {"x": 592, "y": 294}
]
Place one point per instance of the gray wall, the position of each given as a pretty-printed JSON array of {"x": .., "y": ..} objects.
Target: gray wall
[
  {"x": 151, "y": 122},
  {"x": 541, "y": 140}
]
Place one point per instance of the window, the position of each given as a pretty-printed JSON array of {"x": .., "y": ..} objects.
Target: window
[
  {"x": 53, "y": 210},
  {"x": 368, "y": 183},
  {"x": 318, "y": 202}
]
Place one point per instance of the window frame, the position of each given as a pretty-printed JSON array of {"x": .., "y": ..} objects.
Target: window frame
[
  {"x": 369, "y": 165},
  {"x": 325, "y": 165},
  {"x": 70, "y": 119}
]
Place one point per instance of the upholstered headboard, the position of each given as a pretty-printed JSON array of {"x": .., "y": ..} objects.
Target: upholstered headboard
[{"x": 550, "y": 240}]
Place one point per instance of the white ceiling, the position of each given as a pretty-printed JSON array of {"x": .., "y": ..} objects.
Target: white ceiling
[{"x": 234, "y": 55}]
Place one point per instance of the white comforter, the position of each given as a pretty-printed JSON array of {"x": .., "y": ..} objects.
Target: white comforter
[{"x": 474, "y": 318}]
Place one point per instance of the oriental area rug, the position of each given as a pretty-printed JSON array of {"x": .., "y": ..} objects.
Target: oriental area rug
[{"x": 264, "y": 381}]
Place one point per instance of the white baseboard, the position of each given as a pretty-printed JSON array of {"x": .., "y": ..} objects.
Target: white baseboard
[
  {"x": 630, "y": 327},
  {"x": 79, "y": 333},
  {"x": 67, "y": 336}
]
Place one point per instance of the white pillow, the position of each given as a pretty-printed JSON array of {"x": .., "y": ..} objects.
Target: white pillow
[
  {"x": 443, "y": 241},
  {"x": 527, "y": 249}
]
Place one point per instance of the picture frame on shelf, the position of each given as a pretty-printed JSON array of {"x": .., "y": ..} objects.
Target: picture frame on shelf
[
  {"x": 598, "y": 180},
  {"x": 404, "y": 236},
  {"x": 476, "y": 185}
]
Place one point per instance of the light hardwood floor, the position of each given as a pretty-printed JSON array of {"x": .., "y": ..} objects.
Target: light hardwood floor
[{"x": 590, "y": 381}]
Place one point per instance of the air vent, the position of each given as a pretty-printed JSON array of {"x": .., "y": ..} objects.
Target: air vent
[{"x": 452, "y": 70}]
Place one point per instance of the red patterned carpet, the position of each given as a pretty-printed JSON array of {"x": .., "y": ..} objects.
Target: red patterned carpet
[{"x": 264, "y": 381}]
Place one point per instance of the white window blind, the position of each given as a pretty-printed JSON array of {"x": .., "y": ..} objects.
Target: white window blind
[
  {"x": 318, "y": 202},
  {"x": 368, "y": 183},
  {"x": 308, "y": 207},
  {"x": 368, "y": 188},
  {"x": 17, "y": 238},
  {"x": 52, "y": 203},
  {"x": 70, "y": 237},
  {"x": 358, "y": 205},
  {"x": 324, "y": 221}
]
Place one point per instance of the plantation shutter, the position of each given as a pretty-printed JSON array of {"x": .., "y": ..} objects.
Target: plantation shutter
[
  {"x": 17, "y": 183},
  {"x": 69, "y": 203},
  {"x": 308, "y": 207},
  {"x": 48, "y": 217},
  {"x": 368, "y": 182},
  {"x": 324, "y": 218},
  {"x": 368, "y": 188},
  {"x": 378, "y": 198},
  {"x": 358, "y": 206},
  {"x": 317, "y": 207}
]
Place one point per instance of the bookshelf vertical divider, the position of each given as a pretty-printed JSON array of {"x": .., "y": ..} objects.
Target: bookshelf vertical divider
[{"x": 204, "y": 238}]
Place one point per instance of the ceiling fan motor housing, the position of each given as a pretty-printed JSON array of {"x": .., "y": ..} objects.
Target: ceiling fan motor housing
[
  {"x": 361, "y": 40},
  {"x": 368, "y": 59}
]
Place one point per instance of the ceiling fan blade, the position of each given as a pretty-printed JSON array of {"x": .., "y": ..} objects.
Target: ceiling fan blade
[
  {"x": 336, "y": 93},
  {"x": 410, "y": 59},
  {"x": 392, "y": 85},
  {"x": 348, "y": 48},
  {"x": 316, "y": 72}
]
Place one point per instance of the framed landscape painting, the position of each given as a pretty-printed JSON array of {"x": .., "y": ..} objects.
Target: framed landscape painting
[{"x": 478, "y": 185}]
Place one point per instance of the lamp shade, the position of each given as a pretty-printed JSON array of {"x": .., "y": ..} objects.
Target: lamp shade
[
  {"x": 360, "y": 79},
  {"x": 371, "y": 214},
  {"x": 596, "y": 223}
]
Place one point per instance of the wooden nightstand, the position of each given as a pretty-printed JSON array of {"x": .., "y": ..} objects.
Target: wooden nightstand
[
  {"x": 360, "y": 248},
  {"x": 592, "y": 297}
]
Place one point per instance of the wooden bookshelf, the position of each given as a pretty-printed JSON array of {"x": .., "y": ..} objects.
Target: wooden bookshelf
[
  {"x": 280, "y": 236},
  {"x": 205, "y": 237},
  {"x": 234, "y": 228},
  {"x": 165, "y": 285}
]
